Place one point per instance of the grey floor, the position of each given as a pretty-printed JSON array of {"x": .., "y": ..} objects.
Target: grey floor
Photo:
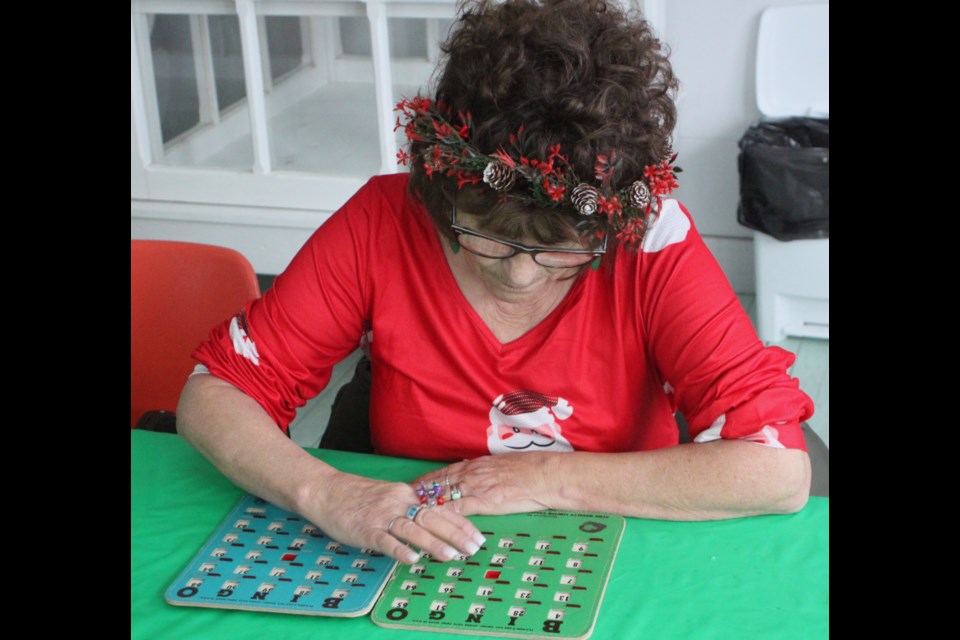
[{"x": 812, "y": 368}]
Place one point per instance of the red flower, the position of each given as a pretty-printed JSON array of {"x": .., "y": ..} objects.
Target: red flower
[
  {"x": 463, "y": 177},
  {"x": 553, "y": 154},
  {"x": 632, "y": 233},
  {"x": 610, "y": 206},
  {"x": 546, "y": 168},
  {"x": 503, "y": 157},
  {"x": 467, "y": 120},
  {"x": 411, "y": 130},
  {"x": 403, "y": 157},
  {"x": 421, "y": 105},
  {"x": 661, "y": 178},
  {"x": 555, "y": 192},
  {"x": 665, "y": 186},
  {"x": 604, "y": 167},
  {"x": 443, "y": 130}
]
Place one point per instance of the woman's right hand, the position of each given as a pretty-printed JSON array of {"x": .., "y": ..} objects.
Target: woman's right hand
[
  {"x": 369, "y": 513},
  {"x": 235, "y": 433}
]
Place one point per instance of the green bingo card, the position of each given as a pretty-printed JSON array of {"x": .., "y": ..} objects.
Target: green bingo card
[{"x": 539, "y": 575}]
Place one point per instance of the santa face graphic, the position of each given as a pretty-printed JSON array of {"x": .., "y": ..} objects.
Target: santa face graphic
[{"x": 527, "y": 421}]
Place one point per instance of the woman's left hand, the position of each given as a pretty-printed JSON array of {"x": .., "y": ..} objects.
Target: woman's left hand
[{"x": 495, "y": 485}]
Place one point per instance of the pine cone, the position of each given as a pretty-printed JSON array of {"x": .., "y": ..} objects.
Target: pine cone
[
  {"x": 668, "y": 154},
  {"x": 639, "y": 194},
  {"x": 584, "y": 198},
  {"x": 499, "y": 176}
]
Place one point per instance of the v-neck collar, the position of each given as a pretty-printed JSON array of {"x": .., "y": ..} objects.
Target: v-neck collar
[{"x": 448, "y": 280}]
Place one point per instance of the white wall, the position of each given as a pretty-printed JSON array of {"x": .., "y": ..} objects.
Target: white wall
[{"x": 714, "y": 46}]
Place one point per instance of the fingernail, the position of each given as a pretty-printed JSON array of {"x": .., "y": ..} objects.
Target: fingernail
[
  {"x": 478, "y": 537},
  {"x": 471, "y": 547},
  {"x": 448, "y": 552},
  {"x": 412, "y": 557}
]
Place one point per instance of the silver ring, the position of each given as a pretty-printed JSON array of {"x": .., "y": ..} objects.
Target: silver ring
[
  {"x": 455, "y": 496},
  {"x": 390, "y": 524},
  {"x": 414, "y": 509}
]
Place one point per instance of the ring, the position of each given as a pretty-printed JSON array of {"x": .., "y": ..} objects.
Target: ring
[
  {"x": 414, "y": 509},
  {"x": 455, "y": 495},
  {"x": 430, "y": 496},
  {"x": 390, "y": 524}
]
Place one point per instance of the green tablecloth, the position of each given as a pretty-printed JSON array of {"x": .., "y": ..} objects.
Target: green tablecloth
[{"x": 762, "y": 577}]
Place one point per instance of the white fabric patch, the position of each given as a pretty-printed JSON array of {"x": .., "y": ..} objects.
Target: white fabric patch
[
  {"x": 242, "y": 343},
  {"x": 198, "y": 369},
  {"x": 667, "y": 388},
  {"x": 768, "y": 437},
  {"x": 670, "y": 227},
  {"x": 712, "y": 432}
]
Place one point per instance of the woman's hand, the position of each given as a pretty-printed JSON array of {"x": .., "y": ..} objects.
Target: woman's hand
[
  {"x": 369, "y": 513},
  {"x": 496, "y": 485},
  {"x": 699, "y": 481},
  {"x": 235, "y": 433}
]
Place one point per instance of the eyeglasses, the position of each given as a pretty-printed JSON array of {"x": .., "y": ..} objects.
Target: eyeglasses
[{"x": 489, "y": 247}]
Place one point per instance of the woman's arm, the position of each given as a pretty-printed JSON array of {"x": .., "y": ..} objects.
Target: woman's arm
[
  {"x": 239, "y": 438},
  {"x": 697, "y": 481}
]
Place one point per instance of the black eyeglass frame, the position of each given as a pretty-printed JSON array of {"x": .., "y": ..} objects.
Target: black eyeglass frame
[{"x": 520, "y": 248}]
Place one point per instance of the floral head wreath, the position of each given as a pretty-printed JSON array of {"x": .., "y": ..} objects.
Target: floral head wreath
[{"x": 544, "y": 182}]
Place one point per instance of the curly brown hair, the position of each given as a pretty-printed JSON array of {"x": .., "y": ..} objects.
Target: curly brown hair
[{"x": 583, "y": 73}]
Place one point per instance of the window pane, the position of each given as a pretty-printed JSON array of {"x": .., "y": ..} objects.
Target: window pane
[
  {"x": 322, "y": 115},
  {"x": 175, "y": 75},
  {"x": 355, "y": 36},
  {"x": 408, "y": 37},
  {"x": 227, "y": 55},
  {"x": 285, "y": 37},
  {"x": 202, "y": 111}
]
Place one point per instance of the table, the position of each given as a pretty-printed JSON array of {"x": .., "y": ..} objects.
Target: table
[{"x": 760, "y": 577}]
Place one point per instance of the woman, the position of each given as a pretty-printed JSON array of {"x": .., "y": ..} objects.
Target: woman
[{"x": 536, "y": 310}]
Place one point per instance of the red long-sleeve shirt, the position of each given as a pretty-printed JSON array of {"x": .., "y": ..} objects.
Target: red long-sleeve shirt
[{"x": 634, "y": 340}]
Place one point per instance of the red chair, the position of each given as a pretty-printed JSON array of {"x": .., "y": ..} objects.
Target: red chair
[{"x": 178, "y": 292}]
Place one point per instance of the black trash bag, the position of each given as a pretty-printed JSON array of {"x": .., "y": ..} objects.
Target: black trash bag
[{"x": 785, "y": 178}]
